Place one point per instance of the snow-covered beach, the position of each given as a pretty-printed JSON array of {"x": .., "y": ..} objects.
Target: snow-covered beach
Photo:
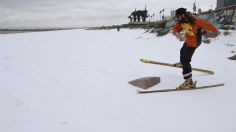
[{"x": 76, "y": 81}]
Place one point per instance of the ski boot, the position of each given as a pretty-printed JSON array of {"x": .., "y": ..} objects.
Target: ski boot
[
  {"x": 187, "y": 84},
  {"x": 177, "y": 64}
]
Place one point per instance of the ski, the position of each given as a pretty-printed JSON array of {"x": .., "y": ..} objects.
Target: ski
[
  {"x": 169, "y": 90},
  {"x": 172, "y": 65}
]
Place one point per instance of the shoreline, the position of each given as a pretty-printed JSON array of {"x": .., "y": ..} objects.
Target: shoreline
[{"x": 14, "y": 31}]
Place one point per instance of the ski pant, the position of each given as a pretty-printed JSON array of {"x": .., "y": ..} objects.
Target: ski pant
[{"x": 186, "y": 54}]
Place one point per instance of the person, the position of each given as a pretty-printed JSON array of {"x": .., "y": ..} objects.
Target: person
[
  {"x": 118, "y": 28},
  {"x": 192, "y": 27}
]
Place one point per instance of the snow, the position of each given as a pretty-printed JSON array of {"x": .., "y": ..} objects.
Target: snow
[{"x": 76, "y": 81}]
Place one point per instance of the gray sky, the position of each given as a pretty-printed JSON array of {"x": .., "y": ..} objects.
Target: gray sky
[{"x": 80, "y": 13}]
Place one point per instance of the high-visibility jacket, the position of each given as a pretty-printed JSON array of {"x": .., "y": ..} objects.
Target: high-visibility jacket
[{"x": 191, "y": 30}]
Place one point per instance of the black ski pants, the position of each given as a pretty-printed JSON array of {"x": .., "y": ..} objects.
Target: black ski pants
[{"x": 186, "y": 54}]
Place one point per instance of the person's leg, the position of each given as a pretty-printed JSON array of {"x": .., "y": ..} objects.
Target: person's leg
[{"x": 186, "y": 54}]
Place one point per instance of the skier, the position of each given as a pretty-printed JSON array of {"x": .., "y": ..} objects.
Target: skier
[{"x": 191, "y": 25}]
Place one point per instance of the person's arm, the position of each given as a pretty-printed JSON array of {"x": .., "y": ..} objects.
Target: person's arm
[
  {"x": 206, "y": 25},
  {"x": 176, "y": 29}
]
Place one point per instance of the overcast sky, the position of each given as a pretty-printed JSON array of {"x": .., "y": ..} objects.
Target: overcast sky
[{"x": 81, "y": 13}]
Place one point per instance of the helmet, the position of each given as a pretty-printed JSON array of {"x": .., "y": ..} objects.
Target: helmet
[{"x": 180, "y": 11}]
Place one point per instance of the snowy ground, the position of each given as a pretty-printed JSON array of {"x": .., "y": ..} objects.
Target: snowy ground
[{"x": 76, "y": 81}]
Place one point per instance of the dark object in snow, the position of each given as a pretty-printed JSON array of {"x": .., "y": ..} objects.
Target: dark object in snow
[
  {"x": 226, "y": 33},
  {"x": 232, "y": 57},
  {"x": 118, "y": 29},
  {"x": 207, "y": 41},
  {"x": 210, "y": 34},
  {"x": 228, "y": 44},
  {"x": 145, "y": 82}
]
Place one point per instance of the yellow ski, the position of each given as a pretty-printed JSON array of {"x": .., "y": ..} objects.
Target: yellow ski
[
  {"x": 169, "y": 90},
  {"x": 172, "y": 65}
]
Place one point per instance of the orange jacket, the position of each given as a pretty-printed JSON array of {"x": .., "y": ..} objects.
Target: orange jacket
[{"x": 191, "y": 30}]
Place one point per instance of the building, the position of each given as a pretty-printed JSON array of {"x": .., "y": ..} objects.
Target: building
[
  {"x": 172, "y": 13},
  {"x": 225, "y": 3}
]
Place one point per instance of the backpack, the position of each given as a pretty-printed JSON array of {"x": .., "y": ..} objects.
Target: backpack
[{"x": 199, "y": 36}]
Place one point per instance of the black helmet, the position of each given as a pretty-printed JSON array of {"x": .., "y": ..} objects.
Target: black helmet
[{"x": 180, "y": 11}]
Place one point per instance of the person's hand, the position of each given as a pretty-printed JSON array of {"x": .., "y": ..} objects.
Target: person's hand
[{"x": 177, "y": 35}]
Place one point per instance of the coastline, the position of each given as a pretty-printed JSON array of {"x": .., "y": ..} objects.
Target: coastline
[{"x": 14, "y": 31}]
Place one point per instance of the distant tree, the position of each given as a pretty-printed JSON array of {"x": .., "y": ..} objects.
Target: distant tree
[
  {"x": 199, "y": 11},
  {"x": 134, "y": 15},
  {"x": 162, "y": 14},
  {"x": 144, "y": 15},
  {"x": 131, "y": 18},
  {"x": 139, "y": 15},
  {"x": 194, "y": 7}
]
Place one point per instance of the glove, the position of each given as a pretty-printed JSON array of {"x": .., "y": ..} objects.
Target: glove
[{"x": 177, "y": 35}]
